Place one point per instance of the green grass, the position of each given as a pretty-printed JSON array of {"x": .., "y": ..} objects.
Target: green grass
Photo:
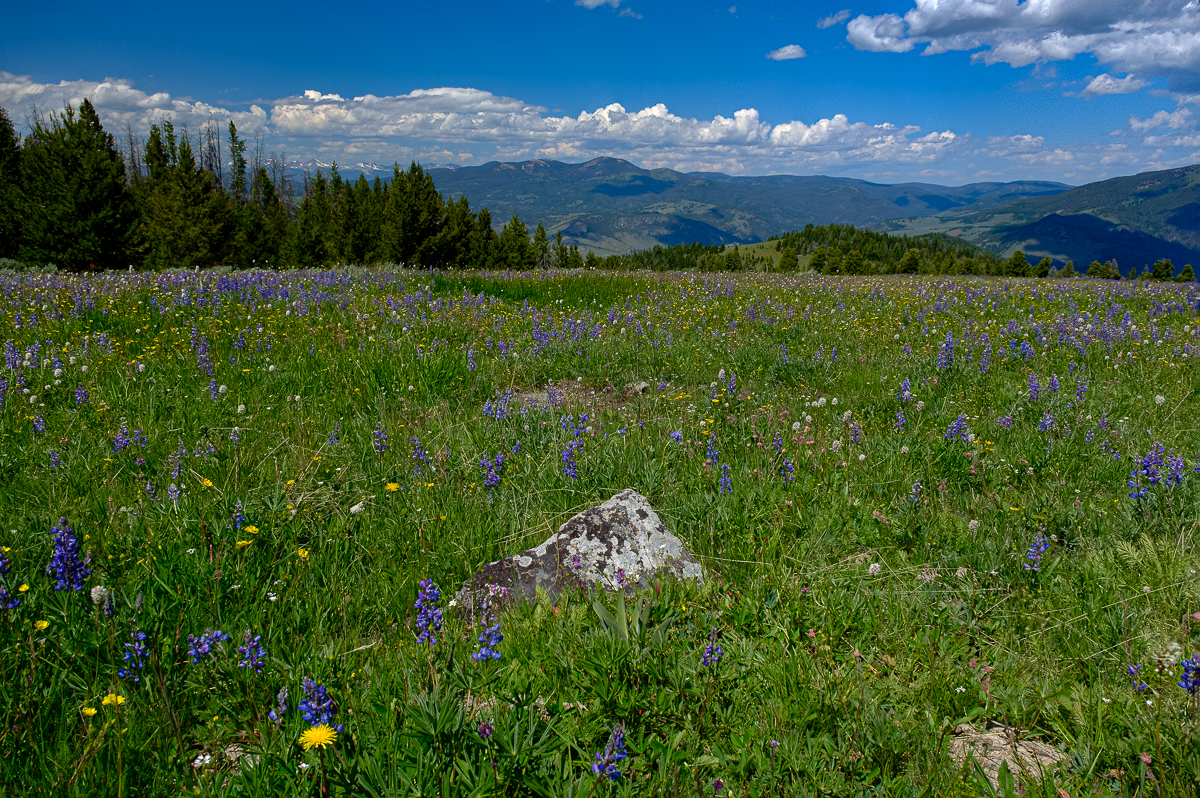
[{"x": 302, "y": 532}]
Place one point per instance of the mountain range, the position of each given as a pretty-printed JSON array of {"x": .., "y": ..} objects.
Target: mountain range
[{"x": 611, "y": 205}]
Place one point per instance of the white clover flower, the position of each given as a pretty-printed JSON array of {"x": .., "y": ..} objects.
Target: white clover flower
[
  {"x": 920, "y": 406},
  {"x": 271, "y": 367},
  {"x": 721, "y": 374},
  {"x": 71, "y": 360},
  {"x": 241, "y": 410},
  {"x": 81, "y": 368},
  {"x": 58, "y": 372},
  {"x": 1158, "y": 400},
  {"x": 836, "y": 446},
  {"x": 862, "y": 457},
  {"x": 99, "y": 593},
  {"x": 903, "y": 450},
  {"x": 974, "y": 525},
  {"x": 223, "y": 389},
  {"x": 358, "y": 508},
  {"x": 833, "y": 401},
  {"x": 808, "y": 419},
  {"x": 796, "y": 427},
  {"x": 875, "y": 570},
  {"x": 847, "y": 416}
]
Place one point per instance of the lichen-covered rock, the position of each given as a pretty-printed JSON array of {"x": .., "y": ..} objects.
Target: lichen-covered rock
[{"x": 619, "y": 545}]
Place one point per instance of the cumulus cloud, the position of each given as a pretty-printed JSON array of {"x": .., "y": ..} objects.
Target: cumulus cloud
[
  {"x": 1107, "y": 84},
  {"x": 469, "y": 125},
  {"x": 119, "y": 104},
  {"x": 1157, "y": 38},
  {"x": 787, "y": 53},
  {"x": 1174, "y": 120},
  {"x": 834, "y": 19}
]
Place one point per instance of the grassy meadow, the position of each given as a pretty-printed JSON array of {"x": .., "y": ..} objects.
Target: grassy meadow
[{"x": 920, "y": 503}]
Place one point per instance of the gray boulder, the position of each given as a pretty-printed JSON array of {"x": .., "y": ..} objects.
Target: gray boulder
[{"x": 620, "y": 545}]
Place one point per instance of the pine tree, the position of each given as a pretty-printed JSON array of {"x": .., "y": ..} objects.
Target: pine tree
[
  {"x": 1162, "y": 270},
  {"x": 1018, "y": 265},
  {"x": 11, "y": 204},
  {"x": 188, "y": 220},
  {"x": 1043, "y": 267},
  {"x": 819, "y": 261},
  {"x": 485, "y": 244},
  {"x": 1096, "y": 270},
  {"x": 910, "y": 263},
  {"x": 1186, "y": 275},
  {"x": 515, "y": 251},
  {"x": 733, "y": 260},
  {"x": 788, "y": 261},
  {"x": 541, "y": 247},
  {"x": 79, "y": 212},
  {"x": 1068, "y": 270},
  {"x": 237, "y": 154}
]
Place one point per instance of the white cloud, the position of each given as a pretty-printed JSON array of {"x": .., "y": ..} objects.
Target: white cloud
[
  {"x": 1107, "y": 84},
  {"x": 597, "y": 3},
  {"x": 787, "y": 53},
  {"x": 1174, "y": 120},
  {"x": 119, "y": 104},
  {"x": 1156, "y": 38},
  {"x": 834, "y": 19}
]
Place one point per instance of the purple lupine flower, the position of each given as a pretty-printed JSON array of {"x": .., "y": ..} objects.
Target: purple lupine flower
[
  {"x": 1133, "y": 671},
  {"x": 490, "y": 637},
  {"x": 121, "y": 441},
  {"x": 915, "y": 493},
  {"x": 333, "y": 436},
  {"x": 1190, "y": 680},
  {"x": 277, "y": 712},
  {"x": 419, "y": 454},
  {"x": 946, "y": 352},
  {"x": 471, "y": 359},
  {"x": 906, "y": 394},
  {"x": 1052, "y": 385},
  {"x": 985, "y": 360},
  {"x": 777, "y": 444},
  {"x": 429, "y": 615},
  {"x": 136, "y": 654},
  {"x": 1026, "y": 350},
  {"x": 1047, "y": 424},
  {"x": 66, "y": 566},
  {"x": 55, "y": 460},
  {"x": 253, "y": 654},
  {"x": 485, "y": 730},
  {"x": 316, "y": 707},
  {"x": 569, "y": 463},
  {"x": 958, "y": 430},
  {"x": 1035, "y": 387},
  {"x": 900, "y": 421},
  {"x": 1080, "y": 390},
  {"x": 725, "y": 484},
  {"x": 1034, "y": 555},
  {"x": 1005, "y": 421},
  {"x": 379, "y": 439},
  {"x": 677, "y": 436},
  {"x": 712, "y": 652},
  {"x": 204, "y": 645},
  {"x": 1149, "y": 469},
  {"x": 606, "y": 761},
  {"x": 213, "y": 390},
  {"x": 7, "y": 601}
]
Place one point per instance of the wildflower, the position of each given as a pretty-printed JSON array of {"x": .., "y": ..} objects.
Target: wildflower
[
  {"x": 39, "y": 626},
  {"x": 88, "y": 712},
  {"x": 906, "y": 393},
  {"x": 1158, "y": 400},
  {"x": 946, "y": 352},
  {"x": 1034, "y": 555},
  {"x": 1035, "y": 387},
  {"x": 277, "y": 712},
  {"x": 973, "y": 526},
  {"x": 1138, "y": 684},
  {"x": 606, "y": 761},
  {"x": 358, "y": 508},
  {"x": 1005, "y": 421},
  {"x": 677, "y": 436},
  {"x": 379, "y": 439},
  {"x": 875, "y": 569},
  {"x": 203, "y": 645},
  {"x": 485, "y": 730},
  {"x": 796, "y": 427},
  {"x": 302, "y": 554},
  {"x": 569, "y": 462},
  {"x": 318, "y": 737},
  {"x": 958, "y": 430},
  {"x": 113, "y": 700},
  {"x": 429, "y": 615},
  {"x": 1190, "y": 680},
  {"x": 391, "y": 487},
  {"x": 725, "y": 483},
  {"x": 136, "y": 654},
  {"x": 66, "y": 566},
  {"x": 718, "y": 785},
  {"x": 712, "y": 652},
  {"x": 316, "y": 707},
  {"x": 206, "y": 482},
  {"x": 81, "y": 395},
  {"x": 253, "y": 654}
]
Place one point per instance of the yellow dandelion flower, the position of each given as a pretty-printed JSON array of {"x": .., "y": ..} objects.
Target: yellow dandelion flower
[
  {"x": 391, "y": 487},
  {"x": 88, "y": 711},
  {"x": 253, "y": 530},
  {"x": 318, "y": 737},
  {"x": 112, "y": 699},
  {"x": 303, "y": 554},
  {"x": 40, "y": 625},
  {"x": 241, "y": 544},
  {"x": 23, "y": 588},
  {"x": 206, "y": 482}
]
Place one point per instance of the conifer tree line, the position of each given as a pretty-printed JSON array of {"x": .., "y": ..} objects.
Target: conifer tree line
[
  {"x": 74, "y": 196},
  {"x": 845, "y": 249}
]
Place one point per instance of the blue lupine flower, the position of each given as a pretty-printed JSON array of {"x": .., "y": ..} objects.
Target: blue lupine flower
[
  {"x": 900, "y": 421},
  {"x": 316, "y": 707},
  {"x": 429, "y": 615},
  {"x": 946, "y": 352},
  {"x": 906, "y": 394},
  {"x": 569, "y": 463},
  {"x": 726, "y": 485},
  {"x": 66, "y": 566},
  {"x": 1005, "y": 421},
  {"x": 7, "y": 601},
  {"x": 136, "y": 654},
  {"x": 958, "y": 430},
  {"x": 712, "y": 652},
  {"x": 677, "y": 436},
  {"x": 1138, "y": 684},
  {"x": 1035, "y": 387},
  {"x": 204, "y": 645},
  {"x": 1026, "y": 350},
  {"x": 253, "y": 654},
  {"x": 606, "y": 761},
  {"x": 277, "y": 712},
  {"x": 379, "y": 438},
  {"x": 1034, "y": 555},
  {"x": 1190, "y": 680}
]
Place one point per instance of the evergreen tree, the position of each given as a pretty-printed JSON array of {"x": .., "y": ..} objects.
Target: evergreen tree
[
  {"x": 515, "y": 251},
  {"x": 1068, "y": 270},
  {"x": 237, "y": 154},
  {"x": 79, "y": 212},
  {"x": 11, "y": 204},
  {"x": 733, "y": 260},
  {"x": 1186, "y": 275},
  {"x": 1096, "y": 270},
  {"x": 1043, "y": 267},
  {"x": 413, "y": 217},
  {"x": 788, "y": 261},
  {"x": 910, "y": 263},
  {"x": 263, "y": 226},
  {"x": 310, "y": 236},
  {"x": 854, "y": 263},
  {"x": 541, "y": 247},
  {"x": 485, "y": 244},
  {"x": 819, "y": 261},
  {"x": 1162, "y": 270},
  {"x": 188, "y": 220},
  {"x": 1018, "y": 265}
]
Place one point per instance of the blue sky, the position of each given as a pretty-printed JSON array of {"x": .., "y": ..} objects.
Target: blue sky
[{"x": 946, "y": 91}]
